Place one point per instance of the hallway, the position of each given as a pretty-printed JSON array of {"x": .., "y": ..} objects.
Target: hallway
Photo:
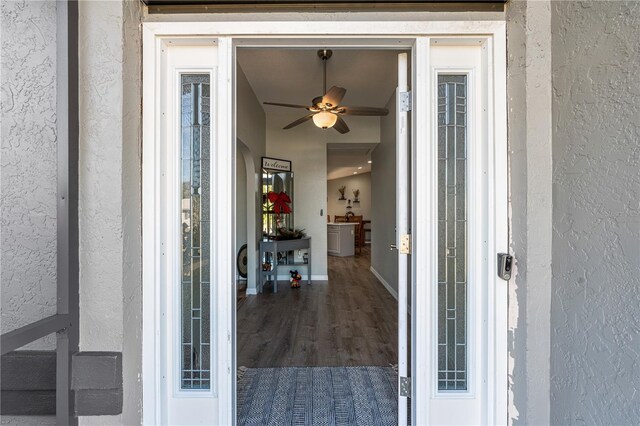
[{"x": 351, "y": 320}]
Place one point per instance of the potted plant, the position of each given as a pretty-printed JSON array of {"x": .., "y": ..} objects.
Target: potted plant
[{"x": 341, "y": 191}]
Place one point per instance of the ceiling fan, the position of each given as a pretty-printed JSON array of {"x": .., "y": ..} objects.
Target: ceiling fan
[{"x": 326, "y": 110}]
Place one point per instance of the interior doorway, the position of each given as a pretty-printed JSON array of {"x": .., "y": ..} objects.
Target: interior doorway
[{"x": 340, "y": 332}]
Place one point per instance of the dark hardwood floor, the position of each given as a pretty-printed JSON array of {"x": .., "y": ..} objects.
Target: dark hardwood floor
[{"x": 349, "y": 320}]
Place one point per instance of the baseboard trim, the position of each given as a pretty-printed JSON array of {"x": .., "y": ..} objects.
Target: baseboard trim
[
  {"x": 251, "y": 291},
  {"x": 384, "y": 283}
]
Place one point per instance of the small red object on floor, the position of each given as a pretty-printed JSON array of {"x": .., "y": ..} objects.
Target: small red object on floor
[{"x": 295, "y": 279}]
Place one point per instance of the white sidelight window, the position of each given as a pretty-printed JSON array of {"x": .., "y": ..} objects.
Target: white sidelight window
[
  {"x": 452, "y": 232},
  {"x": 195, "y": 238}
]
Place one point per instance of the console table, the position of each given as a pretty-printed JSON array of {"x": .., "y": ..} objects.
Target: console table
[{"x": 274, "y": 247}]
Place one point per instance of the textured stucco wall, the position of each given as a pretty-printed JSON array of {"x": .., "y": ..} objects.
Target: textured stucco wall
[
  {"x": 595, "y": 334},
  {"x": 28, "y": 172},
  {"x": 100, "y": 173},
  {"x": 110, "y": 192},
  {"x": 28, "y": 165},
  {"x": 132, "y": 214},
  {"x": 530, "y": 210}
]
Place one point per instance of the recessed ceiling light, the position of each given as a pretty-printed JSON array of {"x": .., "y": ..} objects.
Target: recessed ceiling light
[
  {"x": 355, "y": 173},
  {"x": 369, "y": 161},
  {"x": 360, "y": 168}
]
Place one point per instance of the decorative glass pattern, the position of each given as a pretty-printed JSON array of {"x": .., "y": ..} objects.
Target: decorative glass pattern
[
  {"x": 452, "y": 233},
  {"x": 195, "y": 198}
]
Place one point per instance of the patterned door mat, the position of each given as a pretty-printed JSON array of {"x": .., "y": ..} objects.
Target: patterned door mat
[{"x": 318, "y": 396}]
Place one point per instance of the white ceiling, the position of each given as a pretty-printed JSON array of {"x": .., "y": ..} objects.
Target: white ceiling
[{"x": 295, "y": 76}]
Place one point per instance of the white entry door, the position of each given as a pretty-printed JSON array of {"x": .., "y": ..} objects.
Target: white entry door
[
  {"x": 448, "y": 236},
  {"x": 187, "y": 228},
  {"x": 403, "y": 239},
  {"x": 459, "y": 225}
]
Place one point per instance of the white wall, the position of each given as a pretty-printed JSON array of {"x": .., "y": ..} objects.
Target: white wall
[
  {"x": 383, "y": 199},
  {"x": 309, "y": 163},
  {"x": 361, "y": 181}
]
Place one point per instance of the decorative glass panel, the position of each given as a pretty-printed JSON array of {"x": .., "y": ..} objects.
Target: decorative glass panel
[
  {"x": 452, "y": 233},
  {"x": 195, "y": 196}
]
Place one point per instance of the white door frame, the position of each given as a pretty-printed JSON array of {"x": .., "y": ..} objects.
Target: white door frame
[{"x": 319, "y": 33}]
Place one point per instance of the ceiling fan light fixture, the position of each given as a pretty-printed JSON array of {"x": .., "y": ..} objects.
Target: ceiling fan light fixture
[{"x": 324, "y": 119}]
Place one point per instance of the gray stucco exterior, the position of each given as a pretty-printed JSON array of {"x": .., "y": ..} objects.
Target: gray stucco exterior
[
  {"x": 595, "y": 304},
  {"x": 574, "y": 159},
  {"x": 28, "y": 165}
]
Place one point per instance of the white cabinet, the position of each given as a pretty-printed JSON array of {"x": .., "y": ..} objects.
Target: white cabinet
[{"x": 341, "y": 239}]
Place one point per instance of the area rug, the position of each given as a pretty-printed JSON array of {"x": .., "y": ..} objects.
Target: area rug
[{"x": 318, "y": 396}]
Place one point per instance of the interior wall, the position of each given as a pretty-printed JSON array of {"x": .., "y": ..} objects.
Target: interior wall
[
  {"x": 251, "y": 133},
  {"x": 596, "y": 213},
  {"x": 309, "y": 165},
  {"x": 241, "y": 202},
  {"x": 383, "y": 200},
  {"x": 361, "y": 181},
  {"x": 250, "y": 119}
]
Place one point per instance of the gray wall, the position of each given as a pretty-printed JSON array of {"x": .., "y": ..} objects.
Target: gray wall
[
  {"x": 28, "y": 172},
  {"x": 251, "y": 119},
  {"x": 110, "y": 192},
  {"x": 383, "y": 210},
  {"x": 595, "y": 346},
  {"x": 28, "y": 165},
  {"x": 251, "y": 146},
  {"x": 241, "y": 201},
  {"x": 530, "y": 219},
  {"x": 335, "y": 206}
]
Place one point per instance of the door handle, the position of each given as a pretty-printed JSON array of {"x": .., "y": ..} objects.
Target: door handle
[{"x": 393, "y": 247}]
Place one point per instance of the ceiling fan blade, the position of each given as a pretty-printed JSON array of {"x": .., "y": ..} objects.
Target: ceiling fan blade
[
  {"x": 334, "y": 96},
  {"x": 341, "y": 126},
  {"x": 286, "y": 105},
  {"x": 299, "y": 121},
  {"x": 371, "y": 111}
]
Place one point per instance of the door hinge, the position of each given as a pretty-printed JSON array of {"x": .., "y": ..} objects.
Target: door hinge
[
  {"x": 405, "y": 244},
  {"x": 405, "y": 386},
  {"x": 405, "y": 101}
]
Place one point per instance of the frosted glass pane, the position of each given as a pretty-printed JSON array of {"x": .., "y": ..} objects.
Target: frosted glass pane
[
  {"x": 452, "y": 233},
  {"x": 195, "y": 199}
]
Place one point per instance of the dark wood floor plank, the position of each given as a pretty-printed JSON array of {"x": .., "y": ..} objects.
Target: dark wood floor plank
[{"x": 349, "y": 320}]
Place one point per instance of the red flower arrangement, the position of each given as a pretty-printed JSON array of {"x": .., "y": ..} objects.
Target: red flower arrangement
[{"x": 280, "y": 202}]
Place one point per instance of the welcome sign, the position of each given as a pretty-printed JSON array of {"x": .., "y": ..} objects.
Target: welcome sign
[{"x": 276, "y": 164}]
